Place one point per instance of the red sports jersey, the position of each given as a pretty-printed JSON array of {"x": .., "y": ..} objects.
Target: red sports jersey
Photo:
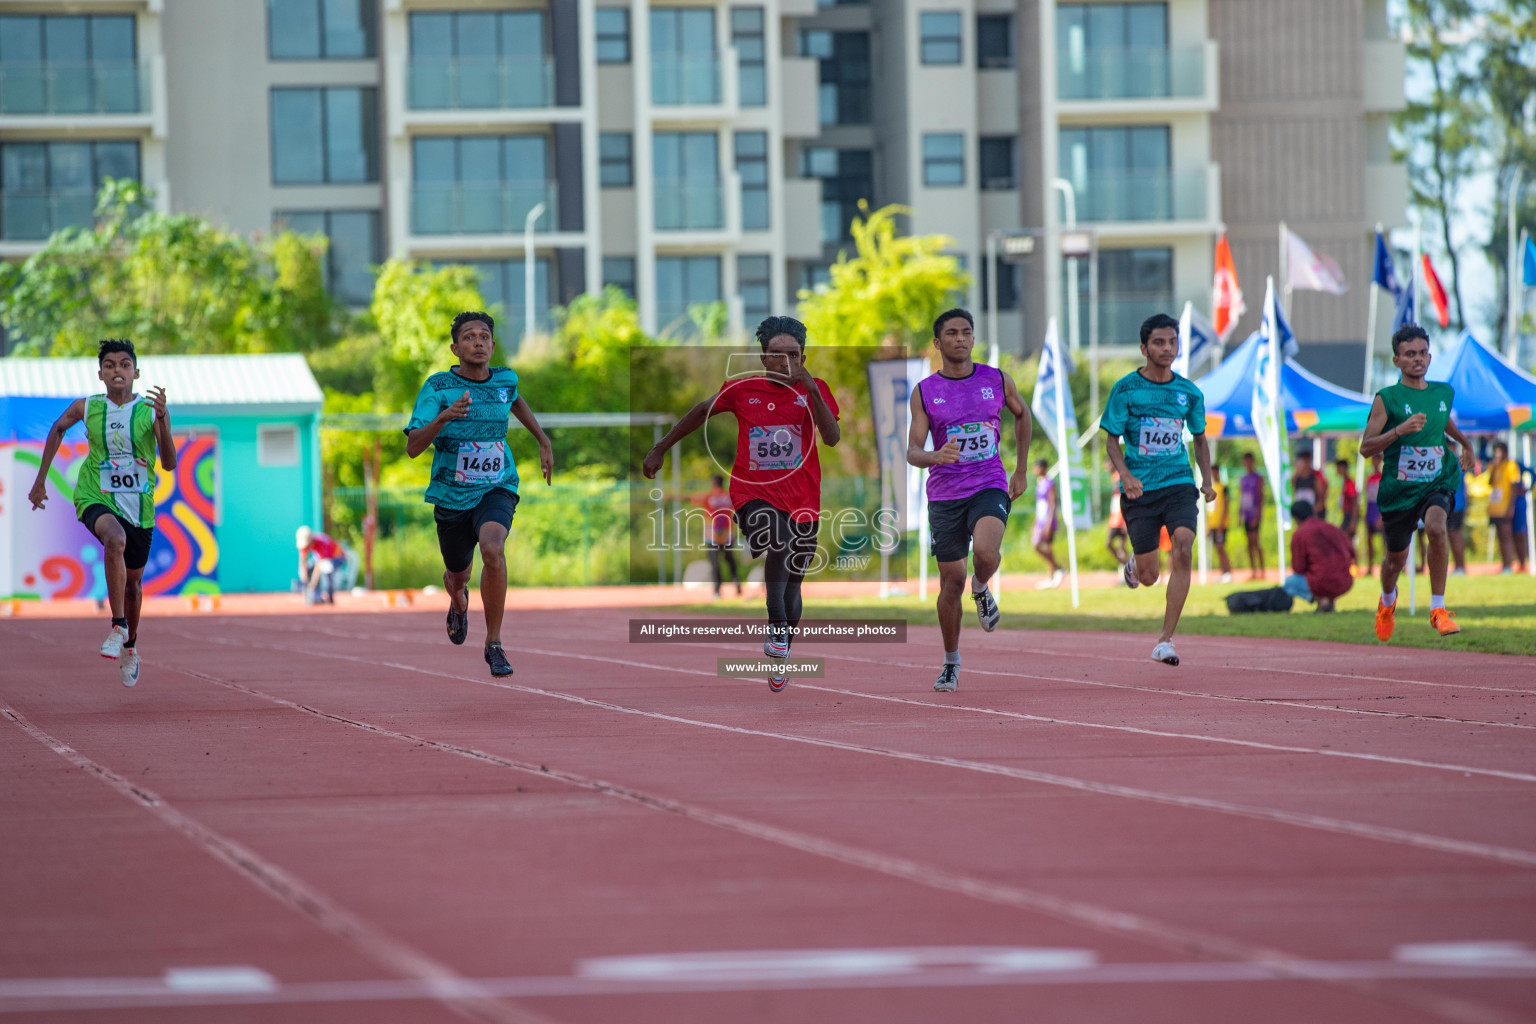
[
  {"x": 323, "y": 546},
  {"x": 776, "y": 458}
]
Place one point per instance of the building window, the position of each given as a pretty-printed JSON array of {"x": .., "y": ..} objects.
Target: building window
[
  {"x": 46, "y": 186},
  {"x": 467, "y": 60},
  {"x": 353, "y": 252},
  {"x": 997, "y": 162},
  {"x": 1133, "y": 284},
  {"x": 69, "y": 64},
  {"x": 751, "y": 55},
  {"x": 941, "y": 37},
  {"x": 943, "y": 159},
  {"x": 845, "y": 74},
  {"x": 994, "y": 41},
  {"x": 685, "y": 67},
  {"x": 1007, "y": 284},
  {"x": 619, "y": 272},
  {"x": 683, "y": 282},
  {"x": 687, "y": 181},
  {"x": 752, "y": 167},
  {"x": 612, "y": 25},
  {"x": 320, "y": 29},
  {"x": 847, "y": 176},
  {"x": 754, "y": 283},
  {"x": 1112, "y": 50},
  {"x": 1120, "y": 173},
  {"x": 324, "y": 135},
  {"x": 504, "y": 286},
  {"x": 616, "y": 159},
  {"x": 479, "y": 184}
]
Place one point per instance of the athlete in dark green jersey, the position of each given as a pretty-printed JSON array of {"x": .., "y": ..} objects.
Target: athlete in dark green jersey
[
  {"x": 462, "y": 414},
  {"x": 115, "y": 492},
  {"x": 1408, "y": 426}
]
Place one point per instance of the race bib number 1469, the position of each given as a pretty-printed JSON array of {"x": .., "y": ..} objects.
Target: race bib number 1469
[{"x": 1160, "y": 435}]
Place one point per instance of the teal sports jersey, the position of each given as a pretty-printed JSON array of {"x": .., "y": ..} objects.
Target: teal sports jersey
[
  {"x": 1151, "y": 418},
  {"x": 470, "y": 457}
]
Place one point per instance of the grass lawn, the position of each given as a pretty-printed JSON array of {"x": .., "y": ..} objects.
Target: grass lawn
[{"x": 1497, "y": 614}]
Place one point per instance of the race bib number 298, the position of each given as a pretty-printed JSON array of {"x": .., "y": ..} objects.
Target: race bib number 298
[{"x": 1417, "y": 465}]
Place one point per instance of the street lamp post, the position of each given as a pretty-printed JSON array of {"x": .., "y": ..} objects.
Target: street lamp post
[{"x": 528, "y": 266}]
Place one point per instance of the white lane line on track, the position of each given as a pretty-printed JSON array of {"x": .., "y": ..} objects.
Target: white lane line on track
[
  {"x": 1336, "y": 826},
  {"x": 1122, "y": 923},
  {"x": 293, "y": 893}
]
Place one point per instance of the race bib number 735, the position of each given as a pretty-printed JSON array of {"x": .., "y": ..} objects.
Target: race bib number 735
[{"x": 977, "y": 440}]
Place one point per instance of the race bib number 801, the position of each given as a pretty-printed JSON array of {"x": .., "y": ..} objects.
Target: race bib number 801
[
  {"x": 1160, "y": 435},
  {"x": 977, "y": 440},
  {"x": 479, "y": 461},
  {"x": 1418, "y": 465},
  {"x": 123, "y": 475}
]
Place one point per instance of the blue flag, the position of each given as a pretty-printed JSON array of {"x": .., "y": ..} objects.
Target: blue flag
[
  {"x": 1405, "y": 312},
  {"x": 1530, "y": 262},
  {"x": 1385, "y": 275}
]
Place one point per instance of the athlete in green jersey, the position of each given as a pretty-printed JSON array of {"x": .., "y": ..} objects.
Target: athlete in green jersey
[
  {"x": 1408, "y": 426},
  {"x": 461, "y": 414},
  {"x": 115, "y": 494}
]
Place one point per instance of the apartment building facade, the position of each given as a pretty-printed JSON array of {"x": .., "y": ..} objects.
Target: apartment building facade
[{"x": 700, "y": 151}]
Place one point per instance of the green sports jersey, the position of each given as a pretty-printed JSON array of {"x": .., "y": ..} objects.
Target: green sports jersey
[
  {"x": 1419, "y": 463},
  {"x": 119, "y": 471},
  {"x": 1151, "y": 417}
]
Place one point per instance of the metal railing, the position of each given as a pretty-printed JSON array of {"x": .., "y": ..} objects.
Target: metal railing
[
  {"x": 1131, "y": 72},
  {"x": 1141, "y": 195},
  {"x": 480, "y": 83},
  {"x": 34, "y": 214},
  {"x": 63, "y": 88},
  {"x": 481, "y": 208},
  {"x": 679, "y": 80},
  {"x": 689, "y": 206}
]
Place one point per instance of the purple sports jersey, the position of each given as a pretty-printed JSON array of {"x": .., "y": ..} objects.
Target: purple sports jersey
[
  {"x": 1251, "y": 489},
  {"x": 967, "y": 410}
]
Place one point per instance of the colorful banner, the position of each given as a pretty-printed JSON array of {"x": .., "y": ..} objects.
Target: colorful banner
[{"x": 48, "y": 555}]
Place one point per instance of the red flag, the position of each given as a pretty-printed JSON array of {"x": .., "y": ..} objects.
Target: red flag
[
  {"x": 1436, "y": 291},
  {"x": 1226, "y": 296}
]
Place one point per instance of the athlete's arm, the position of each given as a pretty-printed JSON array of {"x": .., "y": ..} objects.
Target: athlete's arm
[
  {"x": 1203, "y": 460},
  {"x": 163, "y": 438},
  {"x": 420, "y": 439},
  {"x": 1376, "y": 439},
  {"x": 917, "y": 434},
  {"x": 1023, "y": 427},
  {"x": 692, "y": 420},
  {"x": 1129, "y": 484},
  {"x": 74, "y": 414},
  {"x": 546, "y": 451},
  {"x": 1468, "y": 459}
]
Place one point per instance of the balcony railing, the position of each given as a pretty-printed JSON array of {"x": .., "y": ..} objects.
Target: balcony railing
[
  {"x": 1141, "y": 196},
  {"x": 28, "y": 215},
  {"x": 689, "y": 206},
  {"x": 484, "y": 208},
  {"x": 481, "y": 83},
  {"x": 74, "y": 88},
  {"x": 1131, "y": 72},
  {"x": 679, "y": 80}
]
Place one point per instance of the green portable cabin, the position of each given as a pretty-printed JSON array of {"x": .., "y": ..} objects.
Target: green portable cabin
[{"x": 248, "y": 439}]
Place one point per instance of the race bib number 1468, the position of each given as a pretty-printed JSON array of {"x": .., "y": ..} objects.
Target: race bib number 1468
[{"x": 479, "y": 461}]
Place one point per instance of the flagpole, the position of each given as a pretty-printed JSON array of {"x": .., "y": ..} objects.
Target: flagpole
[
  {"x": 1274, "y": 389},
  {"x": 1063, "y": 463},
  {"x": 1370, "y": 321},
  {"x": 1530, "y": 513},
  {"x": 1510, "y": 335}
]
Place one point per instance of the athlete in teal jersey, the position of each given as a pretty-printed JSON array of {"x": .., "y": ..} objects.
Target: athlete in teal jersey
[
  {"x": 115, "y": 492},
  {"x": 462, "y": 415},
  {"x": 1409, "y": 425}
]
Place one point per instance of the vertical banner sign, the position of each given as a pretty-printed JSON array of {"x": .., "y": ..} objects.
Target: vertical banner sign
[
  {"x": 1269, "y": 417},
  {"x": 891, "y": 383},
  {"x": 1043, "y": 403}
]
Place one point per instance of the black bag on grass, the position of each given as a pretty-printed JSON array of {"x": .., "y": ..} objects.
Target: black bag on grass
[{"x": 1275, "y": 599}]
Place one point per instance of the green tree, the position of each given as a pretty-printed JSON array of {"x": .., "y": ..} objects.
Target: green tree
[
  {"x": 173, "y": 283},
  {"x": 414, "y": 305},
  {"x": 1508, "y": 71}
]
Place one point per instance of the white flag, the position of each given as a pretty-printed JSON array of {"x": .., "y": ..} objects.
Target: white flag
[
  {"x": 1306, "y": 270},
  {"x": 1268, "y": 407},
  {"x": 1060, "y": 422}
]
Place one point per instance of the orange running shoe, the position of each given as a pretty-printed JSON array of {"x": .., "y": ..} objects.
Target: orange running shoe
[
  {"x": 1386, "y": 619},
  {"x": 1444, "y": 620}
]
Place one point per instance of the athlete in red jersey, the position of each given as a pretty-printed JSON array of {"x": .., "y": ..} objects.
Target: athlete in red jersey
[
  {"x": 722, "y": 532},
  {"x": 776, "y": 479}
]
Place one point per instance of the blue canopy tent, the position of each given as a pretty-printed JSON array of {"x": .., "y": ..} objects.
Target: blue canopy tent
[
  {"x": 1491, "y": 395},
  {"x": 1313, "y": 406}
]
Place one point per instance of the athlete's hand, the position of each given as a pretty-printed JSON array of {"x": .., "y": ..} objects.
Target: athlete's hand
[
  {"x": 800, "y": 375},
  {"x": 39, "y": 494},
  {"x": 1018, "y": 483},
  {"x": 547, "y": 461},
  {"x": 1209, "y": 492},
  {"x": 1468, "y": 459},
  {"x": 947, "y": 454},
  {"x": 1412, "y": 425},
  {"x": 458, "y": 410},
  {"x": 157, "y": 399},
  {"x": 1130, "y": 486},
  {"x": 652, "y": 464}
]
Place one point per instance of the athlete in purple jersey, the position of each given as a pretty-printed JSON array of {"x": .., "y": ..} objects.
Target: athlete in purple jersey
[{"x": 969, "y": 492}]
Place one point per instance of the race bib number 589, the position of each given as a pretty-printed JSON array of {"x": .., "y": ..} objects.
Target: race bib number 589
[{"x": 774, "y": 448}]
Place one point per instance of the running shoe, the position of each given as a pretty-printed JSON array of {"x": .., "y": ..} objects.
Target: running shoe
[
  {"x": 986, "y": 609},
  {"x": 949, "y": 679},
  {"x": 1057, "y": 577},
  {"x": 1165, "y": 653},
  {"x": 112, "y": 646},
  {"x": 777, "y": 648},
  {"x": 458, "y": 623},
  {"x": 1128, "y": 574},
  {"x": 1226, "y": 577},
  {"x": 1386, "y": 620},
  {"x": 1444, "y": 620},
  {"x": 128, "y": 667},
  {"x": 497, "y": 659}
]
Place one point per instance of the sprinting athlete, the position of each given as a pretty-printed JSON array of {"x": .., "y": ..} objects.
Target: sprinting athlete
[
  {"x": 776, "y": 479},
  {"x": 1408, "y": 426},
  {"x": 462, "y": 415},
  {"x": 1150, "y": 408},
  {"x": 969, "y": 493},
  {"x": 115, "y": 494}
]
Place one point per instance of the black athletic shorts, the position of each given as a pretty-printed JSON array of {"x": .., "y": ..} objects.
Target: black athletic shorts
[
  {"x": 951, "y": 523},
  {"x": 767, "y": 527},
  {"x": 1398, "y": 527},
  {"x": 1146, "y": 516},
  {"x": 1456, "y": 519},
  {"x": 136, "y": 554},
  {"x": 458, "y": 530}
]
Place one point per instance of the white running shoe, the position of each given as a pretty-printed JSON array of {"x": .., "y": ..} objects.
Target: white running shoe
[
  {"x": 1226, "y": 577},
  {"x": 112, "y": 646},
  {"x": 986, "y": 609},
  {"x": 1165, "y": 653},
  {"x": 1057, "y": 577},
  {"x": 949, "y": 679},
  {"x": 1128, "y": 574},
  {"x": 128, "y": 668}
]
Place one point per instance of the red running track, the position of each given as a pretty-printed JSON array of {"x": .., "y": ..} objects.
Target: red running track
[{"x": 354, "y": 813}]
